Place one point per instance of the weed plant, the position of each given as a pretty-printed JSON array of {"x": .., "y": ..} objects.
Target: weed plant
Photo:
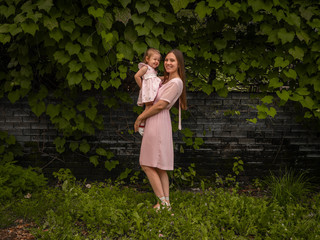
[
  {"x": 74, "y": 210},
  {"x": 289, "y": 187}
]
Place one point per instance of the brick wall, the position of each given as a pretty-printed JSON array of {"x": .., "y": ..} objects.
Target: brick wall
[{"x": 269, "y": 144}]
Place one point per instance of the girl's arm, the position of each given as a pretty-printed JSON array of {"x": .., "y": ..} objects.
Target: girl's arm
[
  {"x": 139, "y": 74},
  {"x": 153, "y": 110}
]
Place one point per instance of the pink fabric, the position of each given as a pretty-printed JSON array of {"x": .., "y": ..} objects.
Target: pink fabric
[
  {"x": 149, "y": 85},
  {"x": 157, "y": 144}
]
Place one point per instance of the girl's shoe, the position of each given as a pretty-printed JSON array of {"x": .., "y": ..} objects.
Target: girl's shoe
[{"x": 141, "y": 129}]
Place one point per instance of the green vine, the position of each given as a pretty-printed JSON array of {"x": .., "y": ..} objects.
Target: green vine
[{"x": 67, "y": 59}]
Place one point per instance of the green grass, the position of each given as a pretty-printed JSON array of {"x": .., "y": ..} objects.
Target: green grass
[{"x": 103, "y": 211}]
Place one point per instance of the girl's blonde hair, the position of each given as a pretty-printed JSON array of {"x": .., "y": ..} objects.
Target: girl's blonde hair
[{"x": 149, "y": 53}]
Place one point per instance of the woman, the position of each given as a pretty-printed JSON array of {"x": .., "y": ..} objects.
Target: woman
[{"x": 156, "y": 154}]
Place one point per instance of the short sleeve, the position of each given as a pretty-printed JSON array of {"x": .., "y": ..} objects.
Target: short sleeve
[
  {"x": 172, "y": 91},
  {"x": 140, "y": 65}
]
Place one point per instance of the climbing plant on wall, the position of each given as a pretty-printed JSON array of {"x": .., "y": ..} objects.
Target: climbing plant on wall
[{"x": 68, "y": 56}]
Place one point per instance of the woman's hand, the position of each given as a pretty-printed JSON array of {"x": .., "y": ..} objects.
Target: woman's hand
[{"x": 137, "y": 123}]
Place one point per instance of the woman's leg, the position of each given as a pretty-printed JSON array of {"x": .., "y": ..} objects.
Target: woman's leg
[
  {"x": 164, "y": 182},
  {"x": 154, "y": 180}
]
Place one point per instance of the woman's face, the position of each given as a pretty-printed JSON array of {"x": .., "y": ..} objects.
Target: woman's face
[{"x": 171, "y": 63}]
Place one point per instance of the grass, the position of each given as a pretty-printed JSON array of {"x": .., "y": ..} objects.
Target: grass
[{"x": 104, "y": 211}]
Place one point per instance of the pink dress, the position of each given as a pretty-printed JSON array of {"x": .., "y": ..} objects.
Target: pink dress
[
  {"x": 149, "y": 85},
  {"x": 157, "y": 144}
]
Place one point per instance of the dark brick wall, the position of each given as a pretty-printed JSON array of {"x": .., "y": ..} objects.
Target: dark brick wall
[{"x": 269, "y": 144}]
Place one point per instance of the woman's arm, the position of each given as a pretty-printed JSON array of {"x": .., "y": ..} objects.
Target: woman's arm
[
  {"x": 139, "y": 74},
  {"x": 153, "y": 110}
]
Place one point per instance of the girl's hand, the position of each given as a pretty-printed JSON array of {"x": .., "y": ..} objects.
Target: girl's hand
[{"x": 136, "y": 124}]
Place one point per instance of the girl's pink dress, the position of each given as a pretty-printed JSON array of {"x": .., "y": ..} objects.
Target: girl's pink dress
[
  {"x": 149, "y": 86},
  {"x": 157, "y": 144}
]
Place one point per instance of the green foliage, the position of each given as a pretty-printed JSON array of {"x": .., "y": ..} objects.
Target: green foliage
[
  {"x": 289, "y": 187},
  {"x": 73, "y": 61},
  {"x": 16, "y": 181},
  {"x": 99, "y": 211}
]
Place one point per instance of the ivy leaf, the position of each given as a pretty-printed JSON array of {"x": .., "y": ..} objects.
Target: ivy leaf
[
  {"x": 4, "y": 38},
  {"x": 115, "y": 82},
  {"x": 86, "y": 85},
  {"x": 38, "y": 108},
  {"x": 45, "y": 5},
  {"x": 235, "y": 8},
  {"x": 302, "y": 91},
  {"x": 267, "y": 99},
  {"x": 74, "y": 66},
  {"x": 68, "y": 113},
  {"x": 67, "y": 26},
  {"x": 279, "y": 62},
  {"x": 125, "y": 49},
  {"x": 83, "y": 21},
  {"x": 220, "y": 43},
  {"x": 201, "y": 9},
  {"x": 293, "y": 19},
  {"x": 91, "y": 76},
  {"x": 302, "y": 35},
  {"x": 260, "y": 5},
  {"x": 130, "y": 34},
  {"x": 125, "y": 3},
  {"x": 50, "y": 23},
  {"x": 14, "y": 96},
  {"x": 283, "y": 95},
  {"x": 101, "y": 152},
  {"x": 5, "y": 28},
  {"x": 179, "y": 4},
  {"x": 142, "y": 30},
  {"x": 94, "y": 160},
  {"x": 91, "y": 113},
  {"x": 74, "y": 78},
  {"x": 107, "y": 36},
  {"x": 271, "y": 112},
  {"x": 207, "y": 89},
  {"x": 169, "y": 35},
  {"x": 30, "y": 27},
  {"x": 274, "y": 83},
  {"x": 142, "y": 6},
  {"x": 73, "y": 48},
  {"x": 73, "y": 146},
  {"x": 297, "y": 52},
  {"x": 285, "y": 36},
  {"x": 306, "y": 13},
  {"x": 53, "y": 110},
  {"x": 84, "y": 147},
  {"x": 61, "y": 57},
  {"x": 291, "y": 74},
  {"x": 307, "y": 102},
  {"x": 56, "y": 34},
  {"x": 96, "y": 12},
  {"x": 59, "y": 142},
  {"x": 122, "y": 15},
  {"x": 187, "y": 132},
  {"x": 137, "y": 19},
  {"x": 253, "y": 120},
  {"x": 153, "y": 42},
  {"x": 156, "y": 16},
  {"x": 7, "y": 11},
  {"x": 109, "y": 165}
]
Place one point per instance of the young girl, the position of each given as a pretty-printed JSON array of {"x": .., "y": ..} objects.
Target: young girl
[{"x": 147, "y": 80}]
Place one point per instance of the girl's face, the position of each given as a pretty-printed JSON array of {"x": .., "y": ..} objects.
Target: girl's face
[
  {"x": 153, "y": 60},
  {"x": 171, "y": 63}
]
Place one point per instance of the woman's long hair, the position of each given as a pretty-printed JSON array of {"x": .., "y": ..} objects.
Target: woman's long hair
[{"x": 182, "y": 75}]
